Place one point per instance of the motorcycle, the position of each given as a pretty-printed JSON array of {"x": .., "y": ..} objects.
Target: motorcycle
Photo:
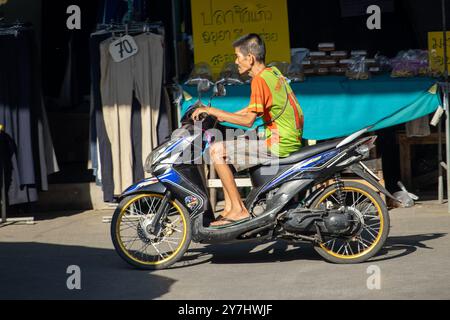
[{"x": 305, "y": 199}]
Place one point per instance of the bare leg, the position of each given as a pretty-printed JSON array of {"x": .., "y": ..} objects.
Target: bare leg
[
  {"x": 237, "y": 210},
  {"x": 227, "y": 208}
]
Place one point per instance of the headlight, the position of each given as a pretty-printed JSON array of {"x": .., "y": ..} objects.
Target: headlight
[{"x": 157, "y": 154}]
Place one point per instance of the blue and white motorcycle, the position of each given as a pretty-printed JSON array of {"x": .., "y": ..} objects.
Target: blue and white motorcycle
[{"x": 304, "y": 199}]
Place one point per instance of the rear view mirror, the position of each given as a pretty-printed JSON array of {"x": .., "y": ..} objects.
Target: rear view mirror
[
  {"x": 220, "y": 90},
  {"x": 203, "y": 85}
]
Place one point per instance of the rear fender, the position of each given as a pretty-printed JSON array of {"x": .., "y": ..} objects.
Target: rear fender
[{"x": 359, "y": 170}]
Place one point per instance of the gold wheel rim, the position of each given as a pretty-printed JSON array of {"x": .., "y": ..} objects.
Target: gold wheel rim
[
  {"x": 121, "y": 242},
  {"x": 379, "y": 234}
]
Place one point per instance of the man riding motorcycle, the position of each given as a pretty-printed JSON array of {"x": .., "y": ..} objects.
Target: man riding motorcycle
[
  {"x": 297, "y": 195},
  {"x": 271, "y": 98}
]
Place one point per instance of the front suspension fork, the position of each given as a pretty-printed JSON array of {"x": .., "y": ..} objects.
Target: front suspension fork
[{"x": 161, "y": 214}]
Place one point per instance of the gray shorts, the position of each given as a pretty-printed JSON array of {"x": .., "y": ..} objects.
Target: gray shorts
[{"x": 244, "y": 153}]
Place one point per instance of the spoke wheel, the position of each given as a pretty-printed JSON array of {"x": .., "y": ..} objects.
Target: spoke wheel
[
  {"x": 371, "y": 224},
  {"x": 137, "y": 244}
]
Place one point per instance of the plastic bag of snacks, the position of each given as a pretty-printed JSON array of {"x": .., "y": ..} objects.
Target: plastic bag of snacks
[
  {"x": 231, "y": 71},
  {"x": 358, "y": 69},
  {"x": 383, "y": 62},
  {"x": 201, "y": 70},
  {"x": 410, "y": 63},
  {"x": 295, "y": 73}
]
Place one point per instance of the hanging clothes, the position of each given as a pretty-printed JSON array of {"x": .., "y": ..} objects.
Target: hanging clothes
[
  {"x": 418, "y": 128},
  {"x": 15, "y": 102},
  {"x": 23, "y": 117},
  {"x": 143, "y": 74},
  {"x": 7, "y": 147},
  {"x": 119, "y": 10},
  {"x": 100, "y": 147},
  {"x": 70, "y": 95}
]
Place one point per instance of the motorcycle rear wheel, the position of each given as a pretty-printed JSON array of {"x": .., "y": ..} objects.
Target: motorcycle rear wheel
[
  {"x": 136, "y": 245},
  {"x": 373, "y": 233}
]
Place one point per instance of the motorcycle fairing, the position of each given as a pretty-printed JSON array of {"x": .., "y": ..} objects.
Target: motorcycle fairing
[
  {"x": 150, "y": 185},
  {"x": 183, "y": 183}
]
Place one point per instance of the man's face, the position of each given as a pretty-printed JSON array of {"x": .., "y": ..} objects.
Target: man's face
[{"x": 244, "y": 62}]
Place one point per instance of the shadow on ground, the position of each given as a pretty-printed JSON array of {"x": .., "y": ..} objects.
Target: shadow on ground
[
  {"x": 395, "y": 248},
  {"x": 38, "y": 271}
]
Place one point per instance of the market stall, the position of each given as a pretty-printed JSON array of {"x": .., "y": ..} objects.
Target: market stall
[
  {"x": 335, "y": 106},
  {"x": 346, "y": 77}
]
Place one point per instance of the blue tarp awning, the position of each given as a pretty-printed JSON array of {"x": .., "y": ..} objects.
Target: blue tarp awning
[{"x": 335, "y": 106}]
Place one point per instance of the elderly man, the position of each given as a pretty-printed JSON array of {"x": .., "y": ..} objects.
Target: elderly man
[{"x": 271, "y": 98}]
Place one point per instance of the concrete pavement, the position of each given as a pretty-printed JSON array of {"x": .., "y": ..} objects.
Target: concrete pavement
[{"x": 415, "y": 264}]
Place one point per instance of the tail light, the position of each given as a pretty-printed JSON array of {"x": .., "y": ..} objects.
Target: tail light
[{"x": 366, "y": 146}]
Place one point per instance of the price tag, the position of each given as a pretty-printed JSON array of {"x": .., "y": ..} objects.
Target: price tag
[{"x": 123, "y": 48}]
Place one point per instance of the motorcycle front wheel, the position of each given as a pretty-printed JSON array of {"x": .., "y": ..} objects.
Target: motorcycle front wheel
[
  {"x": 134, "y": 241},
  {"x": 373, "y": 219}
]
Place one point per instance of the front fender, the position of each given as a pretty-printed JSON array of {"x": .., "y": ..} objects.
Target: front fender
[{"x": 150, "y": 185}]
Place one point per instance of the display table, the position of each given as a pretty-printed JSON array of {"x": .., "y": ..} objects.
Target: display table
[{"x": 334, "y": 106}]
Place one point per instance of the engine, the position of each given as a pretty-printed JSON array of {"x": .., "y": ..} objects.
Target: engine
[{"x": 305, "y": 221}]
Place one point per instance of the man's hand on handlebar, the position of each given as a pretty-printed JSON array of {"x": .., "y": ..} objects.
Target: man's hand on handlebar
[{"x": 197, "y": 114}]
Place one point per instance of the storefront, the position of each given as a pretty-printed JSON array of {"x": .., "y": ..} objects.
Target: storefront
[
  {"x": 83, "y": 152},
  {"x": 340, "y": 96}
]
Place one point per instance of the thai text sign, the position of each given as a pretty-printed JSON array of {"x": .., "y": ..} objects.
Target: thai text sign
[
  {"x": 436, "y": 50},
  {"x": 217, "y": 23}
]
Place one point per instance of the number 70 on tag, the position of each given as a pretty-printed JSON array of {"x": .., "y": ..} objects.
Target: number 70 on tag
[{"x": 123, "y": 48}]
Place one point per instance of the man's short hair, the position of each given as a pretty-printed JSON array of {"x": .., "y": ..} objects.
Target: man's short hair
[{"x": 252, "y": 44}]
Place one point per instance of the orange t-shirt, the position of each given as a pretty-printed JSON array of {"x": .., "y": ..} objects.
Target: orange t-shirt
[{"x": 270, "y": 93}]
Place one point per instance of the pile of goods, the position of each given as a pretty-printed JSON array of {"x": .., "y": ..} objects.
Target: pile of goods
[{"x": 354, "y": 64}]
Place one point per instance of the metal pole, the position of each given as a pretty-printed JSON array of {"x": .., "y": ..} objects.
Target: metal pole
[
  {"x": 447, "y": 121},
  {"x": 440, "y": 169}
]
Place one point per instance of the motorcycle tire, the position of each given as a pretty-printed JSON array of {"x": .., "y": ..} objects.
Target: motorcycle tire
[
  {"x": 137, "y": 259},
  {"x": 377, "y": 232}
]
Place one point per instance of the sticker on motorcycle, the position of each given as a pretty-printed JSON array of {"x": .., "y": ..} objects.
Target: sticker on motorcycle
[{"x": 191, "y": 202}]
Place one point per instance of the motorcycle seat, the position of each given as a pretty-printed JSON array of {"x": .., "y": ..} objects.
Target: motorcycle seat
[{"x": 306, "y": 152}]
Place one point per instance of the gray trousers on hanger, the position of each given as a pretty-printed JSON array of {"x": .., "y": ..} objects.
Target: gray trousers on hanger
[{"x": 143, "y": 74}]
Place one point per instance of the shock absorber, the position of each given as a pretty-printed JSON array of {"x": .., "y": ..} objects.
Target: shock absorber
[{"x": 340, "y": 190}]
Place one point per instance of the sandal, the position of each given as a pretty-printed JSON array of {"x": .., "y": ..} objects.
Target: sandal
[{"x": 230, "y": 222}]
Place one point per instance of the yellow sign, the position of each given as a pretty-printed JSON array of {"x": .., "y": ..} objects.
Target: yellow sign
[
  {"x": 217, "y": 23},
  {"x": 436, "y": 50}
]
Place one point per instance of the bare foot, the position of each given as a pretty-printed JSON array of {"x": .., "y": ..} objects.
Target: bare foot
[{"x": 223, "y": 213}]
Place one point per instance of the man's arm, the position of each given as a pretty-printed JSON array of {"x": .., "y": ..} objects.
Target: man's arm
[
  {"x": 241, "y": 118},
  {"x": 243, "y": 111}
]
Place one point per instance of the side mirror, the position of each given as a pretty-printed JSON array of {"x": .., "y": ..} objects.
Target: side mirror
[
  {"x": 220, "y": 90},
  {"x": 203, "y": 85}
]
